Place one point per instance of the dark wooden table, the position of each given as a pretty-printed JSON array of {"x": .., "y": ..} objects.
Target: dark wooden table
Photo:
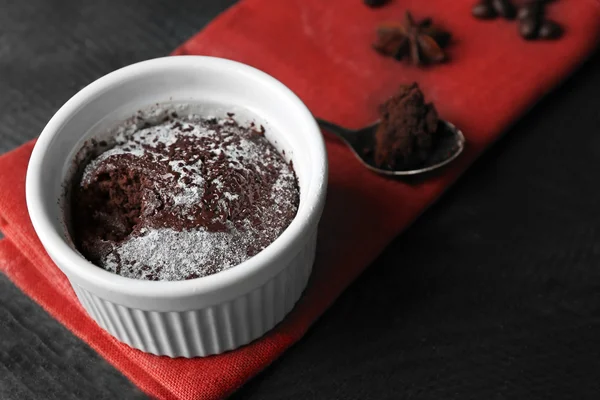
[{"x": 493, "y": 294}]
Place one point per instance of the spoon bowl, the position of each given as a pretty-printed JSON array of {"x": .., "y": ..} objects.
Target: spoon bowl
[{"x": 451, "y": 143}]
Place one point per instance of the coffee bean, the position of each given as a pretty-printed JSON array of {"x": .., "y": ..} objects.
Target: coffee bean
[
  {"x": 528, "y": 28},
  {"x": 505, "y": 8},
  {"x": 532, "y": 9},
  {"x": 484, "y": 10},
  {"x": 550, "y": 30},
  {"x": 525, "y": 12}
]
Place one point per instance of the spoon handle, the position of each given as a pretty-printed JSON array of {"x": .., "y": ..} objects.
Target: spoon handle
[{"x": 337, "y": 130}]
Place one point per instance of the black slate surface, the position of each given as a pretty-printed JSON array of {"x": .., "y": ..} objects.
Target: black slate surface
[{"x": 493, "y": 294}]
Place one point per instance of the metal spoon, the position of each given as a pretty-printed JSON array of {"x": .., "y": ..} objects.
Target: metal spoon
[{"x": 450, "y": 144}]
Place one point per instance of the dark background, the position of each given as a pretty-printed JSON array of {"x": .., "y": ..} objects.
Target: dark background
[{"x": 493, "y": 294}]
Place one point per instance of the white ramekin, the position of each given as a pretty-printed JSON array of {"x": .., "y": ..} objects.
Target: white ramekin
[{"x": 203, "y": 316}]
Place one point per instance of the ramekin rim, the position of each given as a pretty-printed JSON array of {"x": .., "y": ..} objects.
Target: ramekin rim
[{"x": 77, "y": 266}]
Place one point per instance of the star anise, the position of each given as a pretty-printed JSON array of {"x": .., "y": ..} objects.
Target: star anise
[{"x": 421, "y": 42}]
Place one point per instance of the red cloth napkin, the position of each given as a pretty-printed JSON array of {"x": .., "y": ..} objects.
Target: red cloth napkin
[{"x": 322, "y": 51}]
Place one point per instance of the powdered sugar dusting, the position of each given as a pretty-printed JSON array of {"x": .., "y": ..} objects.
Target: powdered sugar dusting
[
  {"x": 281, "y": 185},
  {"x": 166, "y": 254}
]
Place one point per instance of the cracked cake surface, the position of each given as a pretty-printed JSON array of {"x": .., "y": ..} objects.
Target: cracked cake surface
[{"x": 183, "y": 198}]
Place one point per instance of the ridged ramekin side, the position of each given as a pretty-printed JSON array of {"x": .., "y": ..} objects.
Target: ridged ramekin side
[{"x": 211, "y": 330}]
